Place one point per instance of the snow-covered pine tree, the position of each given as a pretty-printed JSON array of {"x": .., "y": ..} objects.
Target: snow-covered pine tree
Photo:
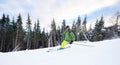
[{"x": 98, "y": 34}]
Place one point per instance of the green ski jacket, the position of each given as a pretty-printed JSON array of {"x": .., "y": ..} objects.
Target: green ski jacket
[{"x": 68, "y": 36}]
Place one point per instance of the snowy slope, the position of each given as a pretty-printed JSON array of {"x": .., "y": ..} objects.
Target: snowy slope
[{"x": 81, "y": 53}]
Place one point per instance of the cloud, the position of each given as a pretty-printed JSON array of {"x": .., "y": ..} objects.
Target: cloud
[
  {"x": 66, "y": 9},
  {"x": 46, "y": 10}
]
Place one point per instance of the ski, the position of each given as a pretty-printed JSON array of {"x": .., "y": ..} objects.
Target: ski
[
  {"x": 84, "y": 45},
  {"x": 57, "y": 49}
]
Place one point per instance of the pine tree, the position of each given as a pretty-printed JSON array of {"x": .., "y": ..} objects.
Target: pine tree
[
  {"x": 62, "y": 28},
  {"x": 78, "y": 28},
  {"x": 98, "y": 34},
  {"x": 9, "y": 34},
  {"x": 94, "y": 36},
  {"x": 84, "y": 24},
  {"x": 44, "y": 39},
  {"x": 29, "y": 33},
  {"x": 3, "y": 33},
  {"x": 14, "y": 27},
  {"x": 38, "y": 32},
  {"x": 74, "y": 27},
  {"x": 35, "y": 36},
  {"x": 53, "y": 33},
  {"x": 19, "y": 34},
  {"x": 3, "y": 20},
  {"x": 58, "y": 36}
]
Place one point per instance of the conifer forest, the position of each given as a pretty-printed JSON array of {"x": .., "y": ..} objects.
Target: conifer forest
[{"x": 16, "y": 37}]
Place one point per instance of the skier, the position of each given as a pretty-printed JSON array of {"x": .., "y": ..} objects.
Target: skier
[{"x": 68, "y": 36}]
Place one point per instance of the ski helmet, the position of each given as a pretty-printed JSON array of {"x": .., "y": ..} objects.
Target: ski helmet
[{"x": 67, "y": 27}]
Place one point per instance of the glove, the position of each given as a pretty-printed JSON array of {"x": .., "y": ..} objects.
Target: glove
[
  {"x": 60, "y": 35},
  {"x": 71, "y": 42}
]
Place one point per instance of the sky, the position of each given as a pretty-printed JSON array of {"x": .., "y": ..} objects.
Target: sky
[{"x": 47, "y": 10}]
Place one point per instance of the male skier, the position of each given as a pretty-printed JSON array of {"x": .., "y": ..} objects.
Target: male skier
[{"x": 68, "y": 36}]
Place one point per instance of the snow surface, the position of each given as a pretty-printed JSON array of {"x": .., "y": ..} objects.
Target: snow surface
[{"x": 105, "y": 52}]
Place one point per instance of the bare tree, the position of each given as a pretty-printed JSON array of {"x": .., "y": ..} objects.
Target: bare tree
[{"x": 115, "y": 21}]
